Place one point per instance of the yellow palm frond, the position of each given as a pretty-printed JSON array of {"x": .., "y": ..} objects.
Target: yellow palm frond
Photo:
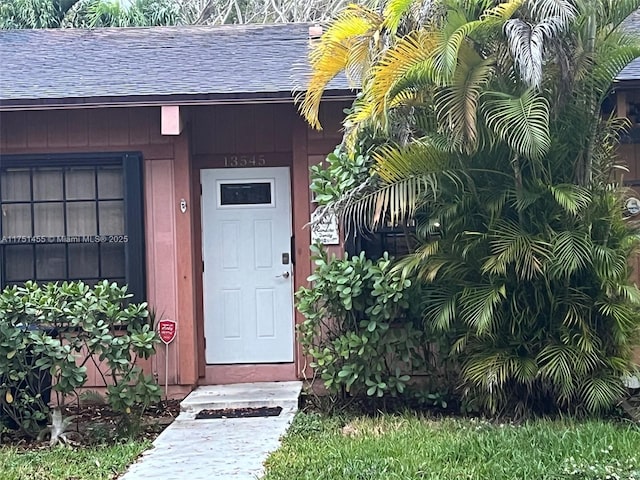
[
  {"x": 345, "y": 46},
  {"x": 412, "y": 50},
  {"x": 501, "y": 12}
]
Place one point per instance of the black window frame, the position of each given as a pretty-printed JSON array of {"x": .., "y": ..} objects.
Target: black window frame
[{"x": 131, "y": 163}]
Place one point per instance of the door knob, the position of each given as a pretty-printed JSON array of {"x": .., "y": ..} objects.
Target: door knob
[{"x": 284, "y": 275}]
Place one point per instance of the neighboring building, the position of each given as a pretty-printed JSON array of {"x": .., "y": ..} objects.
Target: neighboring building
[{"x": 174, "y": 160}]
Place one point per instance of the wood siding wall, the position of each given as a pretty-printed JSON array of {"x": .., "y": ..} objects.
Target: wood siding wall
[{"x": 117, "y": 130}]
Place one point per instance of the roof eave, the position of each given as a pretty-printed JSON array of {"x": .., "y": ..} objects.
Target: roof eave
[
  {"x": 627, "y": 84},
  {"x": 158, "y": 100}
]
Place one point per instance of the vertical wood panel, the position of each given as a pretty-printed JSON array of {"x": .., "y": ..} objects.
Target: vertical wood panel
[
  {"x": 160, "y": 245},
  {"x": 187, "y": 341},
  {"x": 57, "y": 131},
  {"x": 36, "y": 129},
  {"x": 245, "y": 128},
  {"x": 3, "y": 131},
  {"x": 78, "y": 128},
  {"x": 626, "y": 153},
  {"x": 224, "y": 130},
  {"x": 197, "y": 261},
  {"x": 99, "y": 127},
  {"x": 15, "y": 124},
  {"x": 139, "y": 125},
  {"x": 118, "y": 127},
  {"x": 202, "y": 129},
  {"x": 301, "y": 216},
  {"x": 265, "y": 124},
  {"x": 284, "y": 116}
]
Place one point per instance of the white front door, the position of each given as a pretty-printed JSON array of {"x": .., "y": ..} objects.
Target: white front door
[{"x": 248, "y": 275}]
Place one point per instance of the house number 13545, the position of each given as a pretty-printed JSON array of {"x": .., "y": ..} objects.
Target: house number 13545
[{"x": 244, "y": 161}]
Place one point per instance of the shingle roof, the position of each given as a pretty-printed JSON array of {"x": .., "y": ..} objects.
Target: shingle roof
[
  {"x": 42, "y": 66},
  {"x": 156, "y": 61},
  {"x": 632, "y": 71}
]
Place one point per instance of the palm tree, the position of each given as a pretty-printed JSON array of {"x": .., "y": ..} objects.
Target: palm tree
[
  {"x": 117, "y": 13},
  {"x": 34, "y": 13},
  {"x": 493, "y": 141}
]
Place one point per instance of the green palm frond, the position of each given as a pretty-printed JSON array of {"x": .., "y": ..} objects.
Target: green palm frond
[
  {"x": 559, "y": 364},
  {"x": 600, "y": 392},
  {"x": 391, "y": 204},
  {"x": 608, "y": 262},
  {"x": 622, "y": 315},
  {"x": 521, "y": 122},
  {"x": 394, "y": 11},
  {"x": 572, "y": 198},
  {"x": 478, "y": 307},
  {"x": 441, "y": 311},
  {"x": 610, "y": 61},
  {"x": 500, "y": 12},
  {"x": 451, "y": 37},
  {"x": 512, "y": 247},
  {"x": 418, "y": 158},
  {"x": 629, "y": 292},
  {"x": 492, "y": 371},
  {"x": 571, "y": 252}
]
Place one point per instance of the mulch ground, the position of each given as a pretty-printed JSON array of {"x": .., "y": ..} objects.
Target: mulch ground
[
  {"x": 239, "y": 413},
  {"x": 95, "y": 424}
]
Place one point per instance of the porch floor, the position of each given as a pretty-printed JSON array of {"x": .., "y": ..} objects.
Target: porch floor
[{"x": 224, "y": 448}]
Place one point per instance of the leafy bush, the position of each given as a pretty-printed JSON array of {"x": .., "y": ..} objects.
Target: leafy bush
[
  {"x": 361, "y": 327},
  {"x": 49, "y": 333},
  {"x": 340, "y": 173}
]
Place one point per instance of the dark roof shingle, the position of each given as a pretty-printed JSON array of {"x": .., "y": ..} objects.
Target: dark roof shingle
[
  {"x": 42, "y": 66},
  {"x": 632, "y": 71},
  {"x": 153, "y": 61}
]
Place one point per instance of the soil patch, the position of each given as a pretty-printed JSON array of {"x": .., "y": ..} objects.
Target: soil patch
[
  {"x": 239, "y": 413},
  {"x": 96, "y": 424}
]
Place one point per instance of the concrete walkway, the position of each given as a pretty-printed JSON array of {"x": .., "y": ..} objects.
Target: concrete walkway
[{"x": 232, "y": 449}]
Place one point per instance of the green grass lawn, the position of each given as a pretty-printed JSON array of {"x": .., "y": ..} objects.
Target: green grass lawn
[
  {"x": 412, "y": 447},
  {"x": 60, "y": 463}
]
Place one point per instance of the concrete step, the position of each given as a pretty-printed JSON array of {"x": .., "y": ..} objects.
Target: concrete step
[{"x": 243, "y": 395}]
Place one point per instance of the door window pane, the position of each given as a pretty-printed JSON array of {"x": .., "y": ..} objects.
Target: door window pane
[{"x": 245, "y": 193}]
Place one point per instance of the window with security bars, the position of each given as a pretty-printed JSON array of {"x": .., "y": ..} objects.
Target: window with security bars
[
  {"x": 76, "y": 218},
  {"x": 396, "y": 240}
]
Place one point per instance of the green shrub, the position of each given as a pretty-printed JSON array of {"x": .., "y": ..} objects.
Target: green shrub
[
  {"x": 362, "y": 325},
  {"x": 340, "y": 173},
  {"x": 49, "y": 333}
]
